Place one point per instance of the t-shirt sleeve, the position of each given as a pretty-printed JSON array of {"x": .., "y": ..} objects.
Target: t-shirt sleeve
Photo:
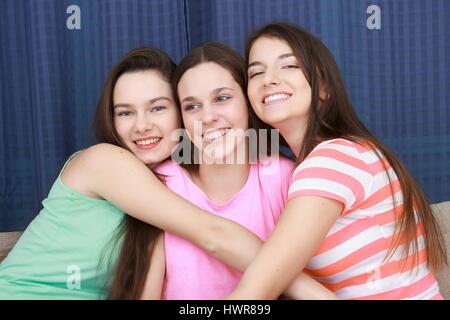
[
  {"x": 335, "y": 170},
  {"x": 286, "y": 170},
  {"x": 167, "y": 169}
]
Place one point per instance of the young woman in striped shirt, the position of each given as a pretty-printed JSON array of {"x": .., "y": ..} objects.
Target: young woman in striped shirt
[{"x": 355, "y": 219}]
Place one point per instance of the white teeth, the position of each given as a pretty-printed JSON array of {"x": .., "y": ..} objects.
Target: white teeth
[
  {"x": 215, "y": 134},
  {"x": 148, "y": 141},
  {"x": 275, "y": 97}
]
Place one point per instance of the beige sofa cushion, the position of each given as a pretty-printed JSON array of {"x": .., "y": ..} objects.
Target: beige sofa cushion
[{"x": 441, "y": 212}]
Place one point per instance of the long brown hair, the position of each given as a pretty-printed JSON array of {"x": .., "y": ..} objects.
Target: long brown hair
[
  {"x": 231, "y": 61},
  {"x": 130, "y": 271},
  {"x": 335, "y": 117}
]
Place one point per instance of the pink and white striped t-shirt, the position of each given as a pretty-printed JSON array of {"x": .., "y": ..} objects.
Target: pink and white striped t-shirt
[{"x": 350, "y": 260}]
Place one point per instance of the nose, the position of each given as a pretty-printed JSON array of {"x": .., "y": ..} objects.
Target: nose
[
  {"x": 143, "y": 123},
  {"x": 271, "y": 78},
  {"x": 209, "y": 115}
]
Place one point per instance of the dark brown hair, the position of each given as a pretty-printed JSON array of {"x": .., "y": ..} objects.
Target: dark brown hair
[
  {"x": 130, "y": 271},
  {"x": 231, "y": 61},
  {"x": 334, "y": 117}
]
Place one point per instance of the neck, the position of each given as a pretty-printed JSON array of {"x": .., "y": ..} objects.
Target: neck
[
  {"x": 293, "y": 131},
  {"x": 221, "y": 182}
]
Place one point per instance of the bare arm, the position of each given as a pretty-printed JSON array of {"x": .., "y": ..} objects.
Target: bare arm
[
  {"x": 155, "y": 277},
  {"x": 115, "y": 174},
  {"x": 118, "y": 176},
  {"x": 298, "y": 234}
]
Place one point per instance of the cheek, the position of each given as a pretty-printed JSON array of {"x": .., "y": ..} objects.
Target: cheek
[
  {"x": 306, "y": 94},
  {"x": 174, "y": 121},
  {"x": 255, "y": 104},
  {"x": 242, "y": 119},
  {"x": 189, "y": 123},
  {"x": 302, "y": 85},
  {"x": 120, "y": 127},
  {"x": 169, "y": 124},
  {"x": 237, "y": 112},
  {"x": 252, "y": 95}
]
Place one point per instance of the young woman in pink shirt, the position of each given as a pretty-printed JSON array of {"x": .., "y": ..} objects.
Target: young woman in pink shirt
[
  {"x": 210, "y": 83},
  {"x": 355, "y": 219}
]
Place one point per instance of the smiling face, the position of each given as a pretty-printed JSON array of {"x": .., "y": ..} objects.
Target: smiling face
[
  {"x": 214, "y": 110},
  {"x": 145, "y": 115},
  {"x": 277, "y": 88}
]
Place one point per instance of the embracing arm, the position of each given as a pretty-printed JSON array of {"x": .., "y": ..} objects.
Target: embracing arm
[
  {"x": 118, "y": 176},
  {"x": 297, "y": 235}
]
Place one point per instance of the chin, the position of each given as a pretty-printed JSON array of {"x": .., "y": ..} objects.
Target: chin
[
  {"x": 149, "y": 160},
  {"x": 272, "y": 120},
  {"x": 146, "y": 160},
  {"x": 233, "y": 156},
  {"x": 215, "y": 156}
]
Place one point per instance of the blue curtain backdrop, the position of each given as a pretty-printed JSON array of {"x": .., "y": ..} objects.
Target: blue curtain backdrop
[{"x": 51, "y": 76}]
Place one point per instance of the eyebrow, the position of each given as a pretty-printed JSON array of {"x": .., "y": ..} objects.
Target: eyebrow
[
  {"x": 151, "y": 101},
  {"x": 214, "y": 92},
  {"x": 219, "y": 90},
  {"x": 281, "y": 56}
]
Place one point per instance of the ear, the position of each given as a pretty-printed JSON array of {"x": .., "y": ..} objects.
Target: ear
[{"x": 323, "y": 93}]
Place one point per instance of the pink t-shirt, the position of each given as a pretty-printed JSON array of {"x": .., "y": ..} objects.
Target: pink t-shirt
[{"x": 190, "y": 272}]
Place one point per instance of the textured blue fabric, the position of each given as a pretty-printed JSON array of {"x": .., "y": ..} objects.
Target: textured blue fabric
[{"x": 51, "y": 77}]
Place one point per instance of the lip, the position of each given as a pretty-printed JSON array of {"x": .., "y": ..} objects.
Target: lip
[
  {"x": 214, "y": 130},
  {"x": 146, "y": 138},
  {"x": 147, "y": 146},
  {"x": 272, "y": 94}
]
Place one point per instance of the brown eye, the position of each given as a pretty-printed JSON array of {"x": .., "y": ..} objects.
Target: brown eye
[
  {"x": 255, "y": 74},
  {"x": 123, "y": 113},
  {"x": 158, "y": 108},
  {"x": 222, "y": 98},
  {"x": 291, "y": 66},
  {"x": 191, "y": 106}
]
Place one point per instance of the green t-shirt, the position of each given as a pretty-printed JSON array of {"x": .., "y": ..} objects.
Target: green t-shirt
[{"x": 66, "y": 250}]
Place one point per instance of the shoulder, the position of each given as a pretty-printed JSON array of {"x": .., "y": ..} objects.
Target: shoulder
[
  {"x": 276, "y": 166},
  {"x": 99, "y": 156},
  {"x": 359, "y": 149},
  {"x": 87, "y": 164},
  {"x": 175, "y": 177},
  {"x": 341, "y": 152},
  {"x": 104, "y": 152},
  {"x": 339, "y": 168},
  {"x": 167, "y": 168},
  {"x": 275, "y": 175},
  {"x": 172, "y": 173},
  {"x": 286, "y": 163}
]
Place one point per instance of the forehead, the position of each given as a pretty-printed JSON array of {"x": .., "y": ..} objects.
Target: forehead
[
  {"x": 147, "y": 83},
  {"x": 268, "y": 48},
  {"x": 205, "y": 78}
]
